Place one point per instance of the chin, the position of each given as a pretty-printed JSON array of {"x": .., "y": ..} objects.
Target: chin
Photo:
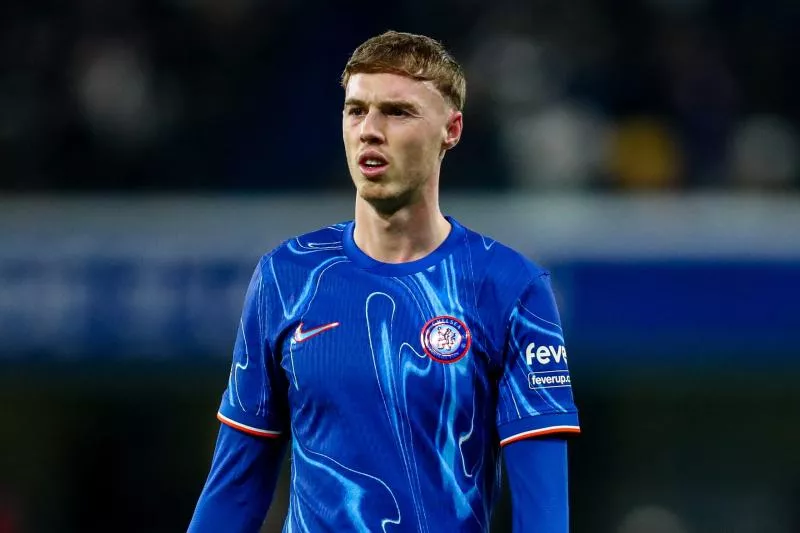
[
  {"x": 375, "y": 188},
  {"x": 383, "y": 199}
]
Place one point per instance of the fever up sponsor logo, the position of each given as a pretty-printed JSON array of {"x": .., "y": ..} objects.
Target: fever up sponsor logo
[
  {"x": 548, "y": 380},
  {"x": 544, "y": 355}
]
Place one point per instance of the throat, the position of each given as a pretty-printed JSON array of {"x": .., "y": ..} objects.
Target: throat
[{"x": 400, "y": 241}]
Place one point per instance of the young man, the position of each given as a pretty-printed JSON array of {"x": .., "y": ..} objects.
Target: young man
[{"x": 400, "y": 351}]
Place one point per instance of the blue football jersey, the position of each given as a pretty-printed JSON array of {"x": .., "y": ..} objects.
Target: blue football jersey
[{"x": 397, "y": 383}]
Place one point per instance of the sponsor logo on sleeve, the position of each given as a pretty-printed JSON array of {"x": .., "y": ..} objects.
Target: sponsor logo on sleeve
[
  {"x": 543, "y": 358},
  {"x": 545, "y": 355},
  {"x": 552, "y": 379}
]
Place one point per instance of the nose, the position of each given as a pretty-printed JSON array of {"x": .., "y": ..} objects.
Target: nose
[{"x": 372, "y": 128}]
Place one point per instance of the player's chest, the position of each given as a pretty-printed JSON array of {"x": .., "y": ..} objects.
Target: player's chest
[{"x": 401, "y": 342}]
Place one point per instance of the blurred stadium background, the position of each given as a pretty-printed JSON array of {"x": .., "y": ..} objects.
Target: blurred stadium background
[{"x": 645, "y": 151}]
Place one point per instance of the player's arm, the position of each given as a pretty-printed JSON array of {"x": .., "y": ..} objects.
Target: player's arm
[
  {"x": 241, "y": 483},
  {"x": 253, "y": 412},
  {"x": 536, "y": 411},
  {"x": 537, "y": 478}
]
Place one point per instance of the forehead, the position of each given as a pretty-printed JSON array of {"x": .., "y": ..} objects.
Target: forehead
[{"x": 373, "y": 88}]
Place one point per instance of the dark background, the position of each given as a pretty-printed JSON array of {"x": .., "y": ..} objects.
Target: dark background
[
  {"x": 646, "y": 151},
  {"x": 186, "y": 95}
]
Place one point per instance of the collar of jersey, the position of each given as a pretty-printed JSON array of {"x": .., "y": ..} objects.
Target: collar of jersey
[{"x": 362, "y": 260}]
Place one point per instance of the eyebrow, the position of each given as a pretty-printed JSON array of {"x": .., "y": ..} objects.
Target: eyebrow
[{"x": 401, "y": 104}]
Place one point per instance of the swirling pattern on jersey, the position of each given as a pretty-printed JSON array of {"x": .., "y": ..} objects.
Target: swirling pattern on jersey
[{"x": 384, "y": 437}]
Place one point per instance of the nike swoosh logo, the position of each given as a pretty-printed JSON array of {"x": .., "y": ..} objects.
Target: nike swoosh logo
[{"x": 300, "y": 335}]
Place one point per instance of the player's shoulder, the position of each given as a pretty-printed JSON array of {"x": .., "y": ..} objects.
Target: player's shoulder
[
  {"x": 311, "y": 247},
  {"x": 499, "y": 259},
  {"x": 502, "y": 272}
]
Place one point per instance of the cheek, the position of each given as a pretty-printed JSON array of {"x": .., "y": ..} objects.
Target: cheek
[
  {"x": 349, "y": 131},
  {"x": 422, "y": 154},
  {"x": 350, "y": 143}
]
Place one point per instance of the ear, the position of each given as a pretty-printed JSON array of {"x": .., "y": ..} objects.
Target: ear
[{"x": 454, "y": 127}]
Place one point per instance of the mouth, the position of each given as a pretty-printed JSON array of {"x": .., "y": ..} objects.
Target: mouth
[{"x": 372, "y": 164}]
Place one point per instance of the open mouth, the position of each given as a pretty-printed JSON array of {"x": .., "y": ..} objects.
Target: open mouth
[{"x": 372, "y": 164}]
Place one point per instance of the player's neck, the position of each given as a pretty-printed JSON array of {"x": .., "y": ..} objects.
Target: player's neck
[{"x": 409, "y": 234}]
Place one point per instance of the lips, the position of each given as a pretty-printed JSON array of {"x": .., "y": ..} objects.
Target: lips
[{"x": 372, "y": 163}]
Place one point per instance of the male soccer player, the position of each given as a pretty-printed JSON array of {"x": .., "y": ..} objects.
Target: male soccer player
[{"x": 400, "y": 351}]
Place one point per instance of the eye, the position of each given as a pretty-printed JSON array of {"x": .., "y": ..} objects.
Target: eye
[
  {"x": 395, "y": 111},
  {"x": 355, "y": 111}
]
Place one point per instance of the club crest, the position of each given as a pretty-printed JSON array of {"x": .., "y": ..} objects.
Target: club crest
[{"x": 445, "y": 339}]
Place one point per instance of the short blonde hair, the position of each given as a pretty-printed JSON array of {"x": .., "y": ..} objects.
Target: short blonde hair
[{"x": 414, "y": 56}]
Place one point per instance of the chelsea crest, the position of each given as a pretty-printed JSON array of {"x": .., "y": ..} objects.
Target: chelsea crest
[{"x": 445, "y": 339}]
